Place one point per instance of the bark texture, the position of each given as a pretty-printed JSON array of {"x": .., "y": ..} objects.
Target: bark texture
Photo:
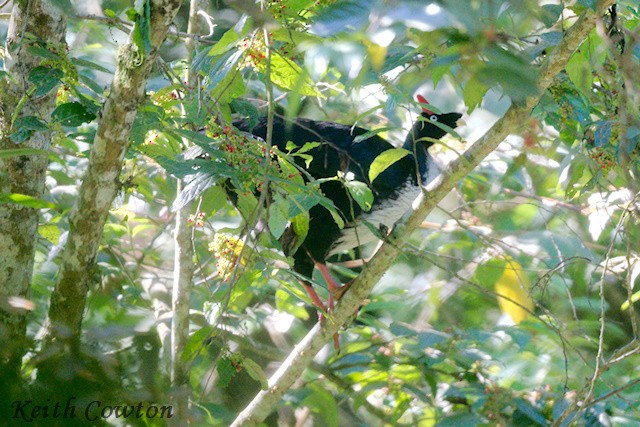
[
  {"x": 22, "y": 175},
  {"x": 184, "y": 266},
  {"x": 100, "y": 183}
]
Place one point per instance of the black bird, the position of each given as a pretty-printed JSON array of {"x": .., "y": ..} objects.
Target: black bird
[{"x": 394, "y": 190}]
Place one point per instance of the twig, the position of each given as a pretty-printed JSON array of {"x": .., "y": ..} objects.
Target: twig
[{"x": 124, "y": 26}]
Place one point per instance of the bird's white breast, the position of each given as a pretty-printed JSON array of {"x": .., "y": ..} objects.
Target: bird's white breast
[{"x": 386, "y": 214}]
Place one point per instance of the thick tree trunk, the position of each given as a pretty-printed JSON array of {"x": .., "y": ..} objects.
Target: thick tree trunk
[
  {"x": 100, "y": 183},
  {"x": 22, "y": 175}
]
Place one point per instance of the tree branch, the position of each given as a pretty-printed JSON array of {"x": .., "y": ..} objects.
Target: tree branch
[
  {"x": 22, "y": 175},
  {"x": 100, "y": 183},
  {"x": 183, "y": 266},
  {"x": 302, "y": 355}
]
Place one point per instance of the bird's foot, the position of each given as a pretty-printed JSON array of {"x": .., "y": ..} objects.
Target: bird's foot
[
  {"x": 315, "y": 298},
  {"x": 336, "y": 291}
]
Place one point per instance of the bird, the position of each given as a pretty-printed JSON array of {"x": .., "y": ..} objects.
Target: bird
[{"x": 349, "y": 151}]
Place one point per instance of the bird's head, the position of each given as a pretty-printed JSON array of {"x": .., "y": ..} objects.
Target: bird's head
[{"x": 427, "y": 124}]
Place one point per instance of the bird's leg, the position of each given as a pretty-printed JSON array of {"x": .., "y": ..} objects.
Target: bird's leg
[
  {"x": 315, "y": 298},
  {"x": 335, "y": 290},
  {"x": 321, "y": 308},
  {"x": 331, "y": 282}
]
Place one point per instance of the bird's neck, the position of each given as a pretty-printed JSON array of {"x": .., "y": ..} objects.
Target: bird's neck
[{"x": 418, "y": 148}]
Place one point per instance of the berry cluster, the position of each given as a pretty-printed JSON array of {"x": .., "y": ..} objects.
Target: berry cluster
[
  {"x": 278, "y": 9},
  {"x": 557, "y": 92},
  {"x": 227, "y": 248},
  {"x": 254, "y": 56},
  {"x": 323, "y": 3},
  {"x": 197, "y": 220},
  {"x": 62, "y": 96},
  {"x": 247, "y": 156},
  {"x": 604, "y": 157},
  {"x": 244, "y": 154}
]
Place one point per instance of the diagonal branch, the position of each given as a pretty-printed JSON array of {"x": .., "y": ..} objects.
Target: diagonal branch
[
  {"x": 303, "y": 354},
  {"x": 100, "y": 183}
]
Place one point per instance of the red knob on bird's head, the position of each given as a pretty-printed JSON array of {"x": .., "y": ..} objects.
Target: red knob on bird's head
[{"x": 422, "y": 100}]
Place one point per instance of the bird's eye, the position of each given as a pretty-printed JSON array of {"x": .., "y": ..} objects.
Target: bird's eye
[{"x": 433, "y": 118}]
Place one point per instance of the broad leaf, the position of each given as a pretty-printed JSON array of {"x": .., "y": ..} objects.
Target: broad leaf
[
  {"x": 361, "y": 193},
  {"x": 255, "y": 371},
  {"x": 25, "y": 126},
  {"x": 72, "y": 114},
  {"x": 278, "y": 216},
  {"x": 24, "y": 200},
  {"x": 384, "y": 160},
  {"x": 13, "y": 152},
  {"x": 348, "y": 15},
  {"x": 45, "y": 79}
]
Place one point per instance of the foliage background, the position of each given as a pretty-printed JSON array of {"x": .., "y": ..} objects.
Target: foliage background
[{"x": 557, "y": 203}]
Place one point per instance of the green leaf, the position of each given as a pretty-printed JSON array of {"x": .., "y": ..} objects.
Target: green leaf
[
  {"x": 307, "y": 147},
  {"x": 576, "y": 172},
  {"x": 12, "y": 152},
  {"x": 369, "y": 134},
  {"x": 344, "y": 16},
  {"x": 515, "y": 75},
  {"x": 194, "y": 188},
  {"x": 226, "y": 372},
  {"x": 278, "y": 216},
  {"x": 473, "y": 93},
  {"x": 224, "y": 65},
  {"x": 90, "y": 83},
  {"x": 328, "y": 205},
  {"x": 288, "y": 75},
  {"x": 142, "y": 30},
  {"x": 79, "y": 62},
  {"x": 384, "y": 160},
  {"x": 25, "y": 126},
  {"x": 461, "y": 419},
  {"x": 226, "y": 42},
  {"x": 255, "y": 371},
  {"x": 24, "y": 200},
  {"x": 42, "y": 52},
  {"x": 285, "y": 302},
  {"x": 45, "y": 79},
  {"x": 196, "y": 342},
  {"x": 591, "y": 4},
  {"x": 246, "y": 109},
  {"x": 51, "y": 232},
  {"x": 229, "y": 88},
  {"x": 131, "y": 14},
  {"x": 487, "y": 274},
  {"x": 72, "y": 114},
  {"x": 300, "y": 225},
  {"x": 322, "y": 403},
  {"x": 530, "y": 414},
  {"x": 550, "y": 14},
  {"x": 361, "y": 193},
  {"x": 580, "y": 70}
]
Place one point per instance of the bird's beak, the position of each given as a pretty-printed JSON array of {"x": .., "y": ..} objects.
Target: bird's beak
[{"x": 460, "y": 123}]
